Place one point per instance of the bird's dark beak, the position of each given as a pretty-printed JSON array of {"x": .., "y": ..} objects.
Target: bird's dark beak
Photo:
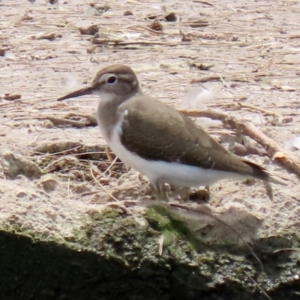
[{"x": 85, "y": 91}]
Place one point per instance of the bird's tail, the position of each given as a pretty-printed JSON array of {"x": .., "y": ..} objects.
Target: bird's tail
[{"x": 262, "y": 174}]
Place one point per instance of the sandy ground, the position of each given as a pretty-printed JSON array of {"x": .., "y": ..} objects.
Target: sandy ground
[{"x": 252, "y": 45}]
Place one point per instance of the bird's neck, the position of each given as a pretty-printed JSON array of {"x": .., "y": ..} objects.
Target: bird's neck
[{"x": 108, "y": 114}]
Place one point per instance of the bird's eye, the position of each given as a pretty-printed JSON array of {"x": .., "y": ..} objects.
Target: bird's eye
[{"x": 112, "y": 79}]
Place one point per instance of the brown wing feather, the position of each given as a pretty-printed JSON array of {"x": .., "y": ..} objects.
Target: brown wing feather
[{"x": 177, "y": 140}]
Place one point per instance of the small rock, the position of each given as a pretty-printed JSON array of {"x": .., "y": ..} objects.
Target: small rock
[
  {"x": 48, "y": 183},
  {"x": 151, "y": 16},
  {"x": 200, "y": 65},
  {"x": 127, "y": 13},
  {"x": 48, "y": 124},
  {"x": 80, "y": 188},
  {"x": 98, "y": 9},
  {"x": 16, "y": 164},
  {"x": 156, "y": 25},
  {"x": 91, "y": 49},
  {"x": 47, "y": 36},
  {"x": 171, "y": 17},
  {"x": 90, "y": 30},
  {"x": 12, "y": 97},
  {"x": 21, "y": 194},
  {"x": 3, "y": 50}
]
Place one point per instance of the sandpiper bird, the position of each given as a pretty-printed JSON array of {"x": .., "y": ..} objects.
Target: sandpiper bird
[{"x": 157, "y": 140}]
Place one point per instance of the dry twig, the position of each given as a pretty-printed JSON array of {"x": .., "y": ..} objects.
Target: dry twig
[
  {"x": 204, "y": 2},
  {"x": 121, "y": 43},
  {"x": 265, "y": 111},
  {"x": 117, "y": 203}
]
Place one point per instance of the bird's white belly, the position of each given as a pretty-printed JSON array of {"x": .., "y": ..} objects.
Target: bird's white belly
[{"x": 173, "y": 173}]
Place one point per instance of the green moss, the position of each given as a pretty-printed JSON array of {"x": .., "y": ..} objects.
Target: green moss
[
  {"x": 171, "y": 226},
  {"x": 112, "y": 256}
]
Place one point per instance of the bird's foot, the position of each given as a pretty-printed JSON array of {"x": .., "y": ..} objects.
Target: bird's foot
[
  {"x": 186, "y": 194},
  {"x": 200, "y": 195}
]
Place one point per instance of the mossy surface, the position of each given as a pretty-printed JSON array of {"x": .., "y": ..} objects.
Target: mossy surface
[{"x": 117, "y": 256}]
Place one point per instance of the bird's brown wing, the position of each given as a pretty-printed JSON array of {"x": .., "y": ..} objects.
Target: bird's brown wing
[{"x": 156, "y": 131}]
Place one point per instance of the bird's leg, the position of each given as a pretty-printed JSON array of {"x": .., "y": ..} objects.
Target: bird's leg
[
  {"x": 181, "y": 193},
  {"x": 159, "y": 190}
]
